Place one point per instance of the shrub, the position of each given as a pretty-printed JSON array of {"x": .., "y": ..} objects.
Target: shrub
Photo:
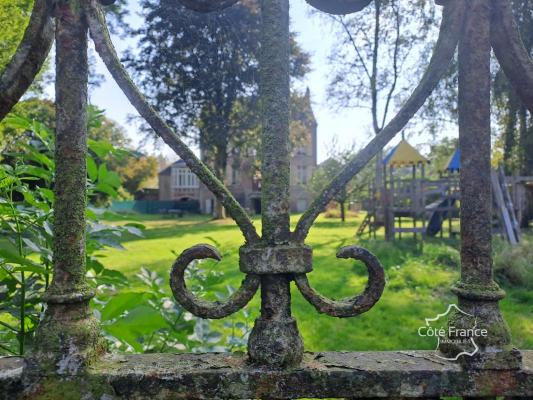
[{"x": 513, "y": 265}]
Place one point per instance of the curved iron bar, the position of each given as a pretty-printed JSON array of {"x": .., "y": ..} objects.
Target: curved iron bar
[
  {"x": 351, "y": 306},
  {"x": 339, "y": 7},
  {"x": 106, "y": 50},
  {"x": 202, "y": 308},
  {"x": 451, "y": 28},
  {"x": 511, "y": 52},
  {"x": 29, "y": 57},
  {"x": 205, "y": 6}
]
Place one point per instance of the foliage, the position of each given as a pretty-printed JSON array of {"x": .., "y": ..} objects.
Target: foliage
[
  {"x": 419, "y": 278},
  {"x": 512, "y": 264},
  {"x": 109, "y": 139},
  {"x": 148, "y": 320},
  {"x": 26, "y": 203},
  {"x": 356, "y": 188},
  {"x": 11, "y": 136},
  {"x": 373, "y": 54},
  {"x": 14, "y": 17},
  {"x": 145, "y": 319},
  {"x": 439, "y": 155},
  {"x": 136, "y": 170},
  {"x": 202, "y": 73}
]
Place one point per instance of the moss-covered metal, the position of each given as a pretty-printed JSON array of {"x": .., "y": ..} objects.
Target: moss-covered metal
[
  {"x": 477, "y": 292},
  {"x": 68, "y": 337},
  {"x": 69, "y": 360},
  {"x": 30, "y": 56}
]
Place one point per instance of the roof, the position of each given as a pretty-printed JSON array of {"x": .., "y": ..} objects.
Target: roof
[
  {"x": 454, "y": 164},
  {"x": 166, "y": 171},
  {"x": 403, "y": 154}
]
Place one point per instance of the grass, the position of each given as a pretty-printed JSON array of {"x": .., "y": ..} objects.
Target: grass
[{"x": 418, "y": 280}]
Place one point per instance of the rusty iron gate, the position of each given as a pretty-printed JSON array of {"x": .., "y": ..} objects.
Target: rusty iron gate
[{"x": 70, "y": 359}]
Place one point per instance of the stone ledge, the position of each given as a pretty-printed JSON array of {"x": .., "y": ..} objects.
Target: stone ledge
[{"x": 328, "y": 374}]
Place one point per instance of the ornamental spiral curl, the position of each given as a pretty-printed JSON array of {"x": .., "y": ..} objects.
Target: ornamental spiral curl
[{"x": 202, "y": 308}]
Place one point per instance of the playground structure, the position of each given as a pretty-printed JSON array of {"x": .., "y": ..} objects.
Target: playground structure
[{"x": 409, "y": 203}]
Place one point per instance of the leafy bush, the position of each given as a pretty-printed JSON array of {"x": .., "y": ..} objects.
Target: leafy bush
[
  {"x": 142, "y": 321},
  {"x": 513, "y": 265}
]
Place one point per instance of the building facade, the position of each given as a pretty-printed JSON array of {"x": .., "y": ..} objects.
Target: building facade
[{"x": 243, "y": 177}]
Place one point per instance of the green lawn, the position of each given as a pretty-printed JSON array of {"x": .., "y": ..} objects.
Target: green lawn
[{"x": 418, "y": 280}]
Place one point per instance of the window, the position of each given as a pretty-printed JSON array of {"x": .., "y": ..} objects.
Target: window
[
  {"x": 301, "y": 151},
  {"x": 302, "y": 174},
  {"x": 234, "y": 175},
  {"x": 185, "y": 179}
]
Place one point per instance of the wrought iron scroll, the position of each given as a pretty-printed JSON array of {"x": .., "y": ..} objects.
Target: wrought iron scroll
[
  {"x": 104, "y": 47},
  {"x": 450, "y": 31},
  {"x": 29, "y": 57},
  {"x": 339, "y": 6},
  {"x": 202, "y": 308},
  {"x": 279, "y": 256},
  {"x": 272, "y": 261},
  {"x": 269, "y": 262},
  {"x": 511, "y": 52}
]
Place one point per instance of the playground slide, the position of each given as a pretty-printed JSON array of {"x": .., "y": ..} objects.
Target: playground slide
[{"x": 437, "y": 217}]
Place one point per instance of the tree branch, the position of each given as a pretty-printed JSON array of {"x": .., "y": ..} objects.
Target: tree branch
[
  {"x": 373, "y": 78},
  {"x": 395, "y": 68},
  {"x": 354, "y": 45}
]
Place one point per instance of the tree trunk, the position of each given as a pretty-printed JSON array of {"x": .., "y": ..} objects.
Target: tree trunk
[
  {"x": 526, "y": 142},
  {"x": 220, "y": 162},
  {"x": 343, "y": 211},
  {"x": 510, "y": 129}
]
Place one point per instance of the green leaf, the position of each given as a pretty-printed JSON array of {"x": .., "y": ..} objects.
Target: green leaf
[
  {"x": 107, "y": 189},
  {"x": 46, "y": 194},
  {"x": 34, "y": 171},
  {"x": 37, "y": 269},
  {"x": 100, "y": 148},
  {"x": 122, "y": 302},
  {"x": 18, "y": 122},
  {"x": 112, "y": 179},
  {"x": 7, "y": 181},
  {"x": 92, "y": 169},
  {"x": 136, "y": 325},
  {"x": 31, "y": 245},
  {"x": 102, "y": 173},
  {"x": 10, "y": 256}
]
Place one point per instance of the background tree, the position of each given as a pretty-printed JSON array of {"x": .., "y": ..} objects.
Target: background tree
[
  {"x": 355, "y": 190},
  {"x": 372, "y": 55},
  {"x": 439, "y": 155},
  {"x": 201, "y": 72},
  {"x": 136, "y": 170}
]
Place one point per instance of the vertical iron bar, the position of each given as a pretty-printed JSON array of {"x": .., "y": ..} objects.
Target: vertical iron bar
[
  {"x": 478, "y": 293},
  {"x": 474, "y": 141},
  {"x": 68, "y": 330},
  {"x": 275, "y": 339}
]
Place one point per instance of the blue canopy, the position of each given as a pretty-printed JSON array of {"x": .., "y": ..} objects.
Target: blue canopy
[{"x": 454, "y": 165}]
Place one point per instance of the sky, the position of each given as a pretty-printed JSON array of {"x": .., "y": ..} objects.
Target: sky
[{"x": 345, "y": 127}]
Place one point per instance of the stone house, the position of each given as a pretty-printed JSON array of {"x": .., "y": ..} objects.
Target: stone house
[{"x": 243, "y": 178}]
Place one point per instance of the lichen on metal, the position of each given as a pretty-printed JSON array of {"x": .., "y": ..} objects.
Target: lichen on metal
[{"x": 68, "y": 360}]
